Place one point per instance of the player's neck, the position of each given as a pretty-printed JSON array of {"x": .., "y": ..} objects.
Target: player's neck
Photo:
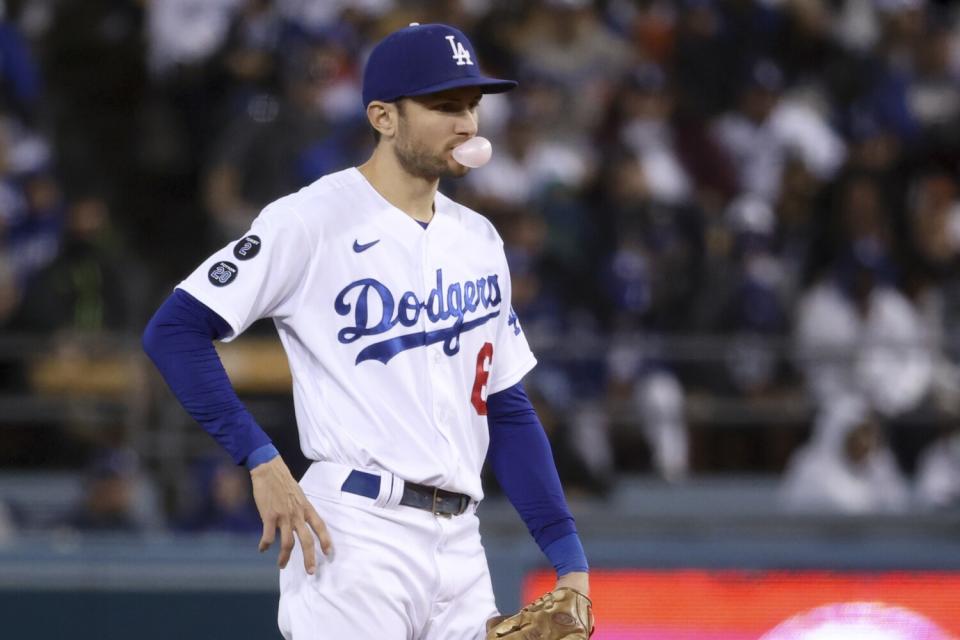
[{"x": 411, "y": 194}]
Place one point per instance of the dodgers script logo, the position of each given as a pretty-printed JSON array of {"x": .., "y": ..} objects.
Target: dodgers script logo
[{"x": 454, "y": 301}]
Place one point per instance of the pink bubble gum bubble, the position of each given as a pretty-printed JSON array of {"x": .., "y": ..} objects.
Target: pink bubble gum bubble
[{"x": 473, "y": 153}]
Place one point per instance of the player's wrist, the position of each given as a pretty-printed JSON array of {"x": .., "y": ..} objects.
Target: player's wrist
[
  {"x": 576, "y": 580},
  {"x": 261, "y": 455},
  {"x": 567, "y": 556}
]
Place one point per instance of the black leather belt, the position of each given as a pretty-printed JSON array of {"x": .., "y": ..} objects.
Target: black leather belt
[{"x": 437, "y": 501}]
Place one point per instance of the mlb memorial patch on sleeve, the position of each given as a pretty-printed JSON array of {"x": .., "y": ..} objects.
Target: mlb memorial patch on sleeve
[
  {"x": 222, "y": 273},
  {"x": 247, "y": 248}
]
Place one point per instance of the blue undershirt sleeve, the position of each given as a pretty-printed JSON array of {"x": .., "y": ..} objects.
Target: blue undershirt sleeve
[
  {"x": 523, "y": 464},
  {"x": 179, "y": 340}
]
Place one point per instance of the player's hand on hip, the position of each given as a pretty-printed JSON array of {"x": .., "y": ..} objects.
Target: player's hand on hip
[{"x": 282, "y": 505}]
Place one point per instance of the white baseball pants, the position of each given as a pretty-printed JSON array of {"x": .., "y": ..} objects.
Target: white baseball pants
[{"x": 396, "y": 572}]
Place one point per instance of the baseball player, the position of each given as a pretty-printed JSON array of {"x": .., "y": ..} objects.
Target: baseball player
[{"x": 393, "y": 305}]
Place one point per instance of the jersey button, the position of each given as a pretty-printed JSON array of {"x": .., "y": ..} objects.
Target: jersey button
[{"x": 437, "y": 357}]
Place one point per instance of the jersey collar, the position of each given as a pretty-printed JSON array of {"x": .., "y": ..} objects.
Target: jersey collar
[{"x": 399, "y": 224}]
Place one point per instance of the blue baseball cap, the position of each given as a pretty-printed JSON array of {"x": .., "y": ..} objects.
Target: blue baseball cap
[{"x": 422, "y": 59}]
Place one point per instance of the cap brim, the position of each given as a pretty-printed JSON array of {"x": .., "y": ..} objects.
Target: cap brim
[{"x": 486, "y": 85}]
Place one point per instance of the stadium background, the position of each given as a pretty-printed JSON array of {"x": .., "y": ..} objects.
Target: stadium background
[{"x": 729, "y": 222}]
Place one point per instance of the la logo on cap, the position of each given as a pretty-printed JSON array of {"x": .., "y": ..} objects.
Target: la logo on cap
[
  {"x": 460, "y": 54},
  {"x": 413, "y": 62}
]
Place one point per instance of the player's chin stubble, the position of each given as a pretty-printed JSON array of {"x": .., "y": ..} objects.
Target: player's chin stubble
[{"x": 419, "y": 161}]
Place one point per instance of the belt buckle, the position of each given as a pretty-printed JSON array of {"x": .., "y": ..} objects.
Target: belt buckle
[{"x": 436, "y": 497}]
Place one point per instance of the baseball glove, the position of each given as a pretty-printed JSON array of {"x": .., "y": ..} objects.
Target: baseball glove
[{"x": 560, "y": 614}]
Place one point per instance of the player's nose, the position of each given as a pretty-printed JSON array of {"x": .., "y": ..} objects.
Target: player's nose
[{"x": 467, "y": 123}]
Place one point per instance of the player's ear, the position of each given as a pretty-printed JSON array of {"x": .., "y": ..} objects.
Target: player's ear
[{"x": 383, "y": 117}]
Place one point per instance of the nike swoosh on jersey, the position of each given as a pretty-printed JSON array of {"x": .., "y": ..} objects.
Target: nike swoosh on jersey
[{"x": 360, "y": 248}]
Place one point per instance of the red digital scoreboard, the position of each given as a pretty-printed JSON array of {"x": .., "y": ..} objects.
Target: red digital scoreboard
[{"x": 769, "y": 605}]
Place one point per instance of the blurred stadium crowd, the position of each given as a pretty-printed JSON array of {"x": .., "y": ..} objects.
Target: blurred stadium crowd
[{"x": 733, "y": 225}]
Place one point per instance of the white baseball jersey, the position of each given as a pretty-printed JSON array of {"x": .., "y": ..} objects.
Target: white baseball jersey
[{"x": 395, "y": 334}]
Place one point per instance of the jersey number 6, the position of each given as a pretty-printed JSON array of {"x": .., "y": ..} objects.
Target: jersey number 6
[{"x": 478, "y": 398}]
